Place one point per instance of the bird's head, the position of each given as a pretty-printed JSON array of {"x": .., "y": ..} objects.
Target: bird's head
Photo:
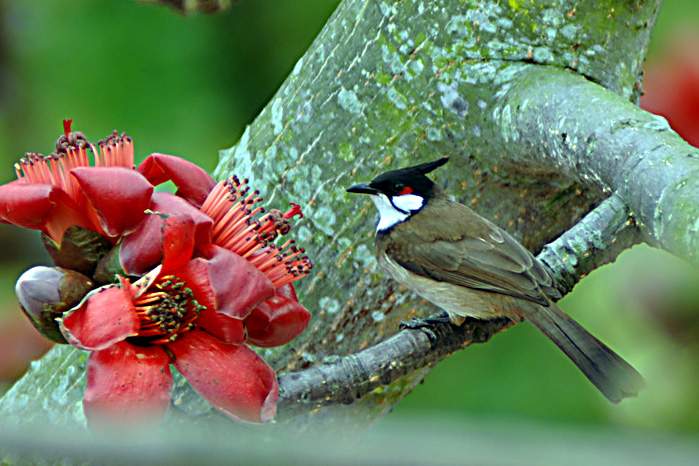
[{"x": 398, "y": 194}]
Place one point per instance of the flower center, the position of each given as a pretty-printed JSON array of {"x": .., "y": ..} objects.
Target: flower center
[{"x": 166, "y": 311}]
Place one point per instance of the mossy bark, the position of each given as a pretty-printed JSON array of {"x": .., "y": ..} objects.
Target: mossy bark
[{"x": 493, "y": 85}]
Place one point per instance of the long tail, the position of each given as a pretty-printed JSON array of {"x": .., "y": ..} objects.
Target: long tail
[{"x": 613, "y": 376}]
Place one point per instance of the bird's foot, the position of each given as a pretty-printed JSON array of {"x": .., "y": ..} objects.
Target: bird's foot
[
  {"x": 416, "y": 324},
  {"x": 427, "y": 324}
]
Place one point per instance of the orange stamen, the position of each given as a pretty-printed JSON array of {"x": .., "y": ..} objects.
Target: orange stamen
[
  {"x": 245, "y": 227},
  {"x": 166, "y": 309}
]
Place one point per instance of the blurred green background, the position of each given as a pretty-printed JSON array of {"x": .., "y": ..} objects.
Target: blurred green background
[{"x": 189, "y": 85}]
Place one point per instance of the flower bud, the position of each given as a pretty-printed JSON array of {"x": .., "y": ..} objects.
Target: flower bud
[
  {"x": 45, "y": 293},
  {"x": 109, "y": 267},
  {"x": 80, "y": 249}
]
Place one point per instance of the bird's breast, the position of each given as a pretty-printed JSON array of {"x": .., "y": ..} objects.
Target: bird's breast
[{"x": 455, "y": 300}]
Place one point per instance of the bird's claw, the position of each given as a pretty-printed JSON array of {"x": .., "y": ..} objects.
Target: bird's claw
[{"x": 427, "y": 324}]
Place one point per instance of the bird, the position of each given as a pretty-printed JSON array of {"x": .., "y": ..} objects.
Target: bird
[{"x": 471, "y": 268}]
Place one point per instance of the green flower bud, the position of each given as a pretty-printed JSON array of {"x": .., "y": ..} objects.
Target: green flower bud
[
  {"x": 109, "y": 267},
  {"x": 80, "y": 249}
]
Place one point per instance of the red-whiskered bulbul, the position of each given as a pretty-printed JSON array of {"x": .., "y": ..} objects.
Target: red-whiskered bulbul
[{"x": 469, "y": 267}]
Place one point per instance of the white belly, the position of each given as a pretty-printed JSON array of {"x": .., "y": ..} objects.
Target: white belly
[{"x": 457, "y": 301}]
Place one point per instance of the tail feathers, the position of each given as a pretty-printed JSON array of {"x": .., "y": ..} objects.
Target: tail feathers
[{"x": 613, "y": 376}]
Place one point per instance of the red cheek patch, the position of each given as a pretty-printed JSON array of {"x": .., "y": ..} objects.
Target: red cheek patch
[{"x": 406, "y": 190}]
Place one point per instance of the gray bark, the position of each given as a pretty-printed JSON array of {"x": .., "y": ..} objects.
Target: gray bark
[
  {"x": 533, "y": 102},
  {"x": 614, "y": 146}
]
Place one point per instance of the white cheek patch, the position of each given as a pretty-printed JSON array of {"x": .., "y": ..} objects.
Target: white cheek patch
[
  {"x": 408, "y": 202},
  {"x": 389, "y": 215}
]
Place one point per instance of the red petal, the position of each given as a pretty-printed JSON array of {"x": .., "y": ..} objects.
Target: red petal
[
  {"x": 118, "y": 196},
  {"x": 40, "y": 207},
  {"x": 127, "y": 383},
  {"x": 143, "y": 249},
  {"x": 106, "y": 317},
  {"x": 276, "y": 322},
  {"x": 232, "y": 378},
  {"x": 288, "y": 291},
  {"x": 170, "y": 204},
  {"x": 178, "y": 242},
  {"x": 24, "y": 204},
  {"x": 235, "y": 283},
  {"x": 227, "y": 329},
  {"x": 192, "y": 181}
]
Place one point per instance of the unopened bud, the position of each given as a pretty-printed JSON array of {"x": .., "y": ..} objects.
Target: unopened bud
[
  {"x": 45, "y": 293},
  {"x": 80, "y": 250},
  {"x": 109, "y": 267}
]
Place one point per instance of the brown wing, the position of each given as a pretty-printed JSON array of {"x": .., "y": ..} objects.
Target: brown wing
[{"x": 468, "y": 250}]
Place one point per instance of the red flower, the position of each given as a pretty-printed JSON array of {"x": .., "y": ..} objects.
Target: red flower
[
  {"x": 212, "y": 276},
  {"x": 56, "y": 191},
  {"x": 218, "y": 280},
  {"x": 227, "y": 216},
  {"x": 181, "y": 313},
  {"x": 672, "y": 86}
]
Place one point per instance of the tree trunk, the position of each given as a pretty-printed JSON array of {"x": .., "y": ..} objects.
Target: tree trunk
[{"x": 535, "y": 104}]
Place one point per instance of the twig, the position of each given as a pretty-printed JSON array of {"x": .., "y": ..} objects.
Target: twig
[{"x": 594, "y": 241}]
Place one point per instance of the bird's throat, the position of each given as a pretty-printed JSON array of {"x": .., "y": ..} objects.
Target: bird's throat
[{"x": 395, "y": 210}]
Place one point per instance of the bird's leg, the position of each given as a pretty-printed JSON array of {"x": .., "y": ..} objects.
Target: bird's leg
[
  {"x": 437, "y": 319},
  {"x": 428, "y": 324}
]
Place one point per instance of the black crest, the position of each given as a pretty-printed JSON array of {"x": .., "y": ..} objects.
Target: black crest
[
  {"x": 425, "y": 168},
  {"x": 416, "y": 171},
  {"x": 392, "y": 182}
]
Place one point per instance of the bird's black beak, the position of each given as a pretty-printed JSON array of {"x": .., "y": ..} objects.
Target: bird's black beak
[{"x": 362, "y": 188}]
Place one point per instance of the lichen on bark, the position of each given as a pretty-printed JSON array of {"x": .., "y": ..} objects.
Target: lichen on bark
[{"x": 493, "y": 85}]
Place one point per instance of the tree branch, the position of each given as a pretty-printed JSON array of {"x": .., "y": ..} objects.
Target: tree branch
[
  {"x": 555, "y": 119},
  {"x": 391, "y": 443},
  {"x": 507, "y": 90},
  {"x": 572, "y": 255},
  {"x": 594, "y": 241},
  {"x": 352, "y": 377}
]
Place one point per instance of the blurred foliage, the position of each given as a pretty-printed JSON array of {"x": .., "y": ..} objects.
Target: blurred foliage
[
  {"x": 447, "y": 442},
  {"x": 194, "y": 6},
  {"x": 675, "y": 16},
  {"x": 189, "y": 85}
]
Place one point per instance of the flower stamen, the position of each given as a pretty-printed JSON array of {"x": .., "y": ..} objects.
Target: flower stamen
[
  {"x": 243, "y": 226},
  {"x": 67, "y": 123},
  {"x": 71, "y": 152},
  {"x": 116, "y": 150},
  {"x": 167, "y": 311}
]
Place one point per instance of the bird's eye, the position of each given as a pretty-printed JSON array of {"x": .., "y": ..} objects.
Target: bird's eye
[{"x": 403, "y": 190}]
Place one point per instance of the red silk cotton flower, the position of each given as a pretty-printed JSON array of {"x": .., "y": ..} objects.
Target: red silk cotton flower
[
  {"x": 671, "y": 85},
  {"x": 196, "y": 310},
  {"x": 172, "y": 315},
  {"x": 225, "y": 216},
  {"x": 215, "y": 277},
  {"x": 56, "y": 191}
]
